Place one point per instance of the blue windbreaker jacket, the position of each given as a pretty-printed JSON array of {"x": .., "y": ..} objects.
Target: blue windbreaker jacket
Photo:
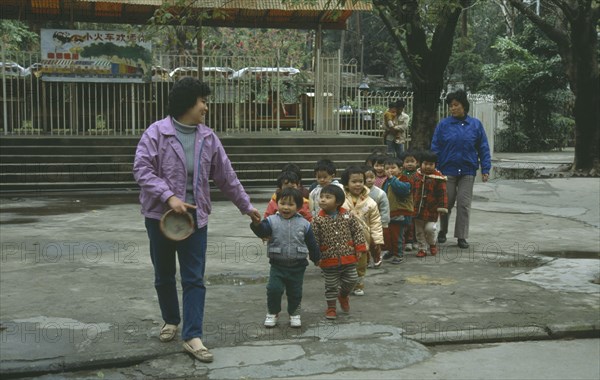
[{"x": 461, "y": 146}]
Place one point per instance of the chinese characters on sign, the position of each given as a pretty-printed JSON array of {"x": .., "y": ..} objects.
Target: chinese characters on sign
[{"x": 94, "y": 56}]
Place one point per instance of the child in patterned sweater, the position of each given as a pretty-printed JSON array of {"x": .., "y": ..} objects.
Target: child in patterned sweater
[{"x": 341, "y": 241}]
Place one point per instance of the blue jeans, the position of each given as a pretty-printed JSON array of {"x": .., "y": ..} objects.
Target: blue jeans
[
  {"x": 191, "y": 254},
  {"x": 394, "y": 149}
]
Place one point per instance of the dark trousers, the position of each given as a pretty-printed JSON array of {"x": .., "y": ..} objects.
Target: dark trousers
[
  {"x": 290, "y": 280},
  {"x": 191, "y": 254}
]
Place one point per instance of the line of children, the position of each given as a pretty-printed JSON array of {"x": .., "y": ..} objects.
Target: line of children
[
  {"x": 347, "y": 223},
  {"x": 365, "y": 209}
]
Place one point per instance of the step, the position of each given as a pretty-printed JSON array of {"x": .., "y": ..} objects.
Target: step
[
  {"x": 7, "y": 141},
  {"x": 69, "y": 167},
  {"x": 19, "y": 187},
  {"x": 120, "y": 150},
  {"x": 61, "y": 158},
  {"x": 105, "y": 163},
  {"x": 242, "y": 140}
]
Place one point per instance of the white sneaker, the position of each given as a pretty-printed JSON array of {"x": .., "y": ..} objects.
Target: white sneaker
[
  {"x": 359, "y": 292},
  {"x": 271, "y": 320},
  {"x": 295, "y": 321},
  {"x": 408, "y": 247}
]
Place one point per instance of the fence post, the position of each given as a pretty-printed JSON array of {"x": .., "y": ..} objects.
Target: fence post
[{"x": 4, "y": 103}]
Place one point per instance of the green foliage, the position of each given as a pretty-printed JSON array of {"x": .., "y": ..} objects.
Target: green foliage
[
  {"x": 17, "y": 37},
  {"x": 109, "y": 49},
  {"x": 538, "y": 103},
  {"x": 465, "y": 65}
]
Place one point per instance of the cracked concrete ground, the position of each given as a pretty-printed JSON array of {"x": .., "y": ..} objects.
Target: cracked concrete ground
[{"x": 76, "y": 290}]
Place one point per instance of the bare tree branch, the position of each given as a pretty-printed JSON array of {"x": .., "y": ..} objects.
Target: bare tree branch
[
  {"x": 398, "y": 41},
  {"x": 561, "y": 38}
]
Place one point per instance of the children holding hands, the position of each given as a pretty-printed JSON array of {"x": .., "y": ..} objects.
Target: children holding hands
[
  {"x": 291, "y": 241},
  {"x": 342, "y": 242}
]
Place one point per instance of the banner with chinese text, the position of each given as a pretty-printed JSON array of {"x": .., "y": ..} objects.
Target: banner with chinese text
[{"x": 95, "y": 56}]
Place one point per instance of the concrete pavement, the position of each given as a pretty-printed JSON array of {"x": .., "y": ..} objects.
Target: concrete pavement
[{"x": 76, "y": 289}]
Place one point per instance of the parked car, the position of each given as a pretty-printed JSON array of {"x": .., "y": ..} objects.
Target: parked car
[
  {"x": 12, "y": 69},
  {"x": 34, "y": 69},
  {"x": 160, "y": 74},
  {"x": 223, "y": 72}
]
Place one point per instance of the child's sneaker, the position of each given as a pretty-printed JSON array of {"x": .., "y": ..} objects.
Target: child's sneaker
[
  {"x": 433, "y": 250},
  {"x": 295, "y": 321},
  {"x": 359, "y": 292},
  {"x": 408, "y": 247},
  {"x": 421, "y": 253},
  {"x": 344, "y": 303},
  {"x": 398, "y": 260},
  {"x": 271, "y": 320},
  {"x": 377, "y": 264},
  {"x": 387, "y": 255}
]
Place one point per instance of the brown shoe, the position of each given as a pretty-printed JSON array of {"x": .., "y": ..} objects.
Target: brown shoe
[
  {"x": 331, "y": 313},
  {"x": 344, "y": 303},
  {"x": 167, "y": 333},
  {"x": 202, "y": 354}
]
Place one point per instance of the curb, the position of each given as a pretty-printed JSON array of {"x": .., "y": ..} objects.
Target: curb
[
  {"x": 497, "y": 334},
  {"x": 492, "y": 334}
]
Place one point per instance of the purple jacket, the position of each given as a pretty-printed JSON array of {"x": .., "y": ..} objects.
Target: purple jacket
[{"x": 160, "y": 170}]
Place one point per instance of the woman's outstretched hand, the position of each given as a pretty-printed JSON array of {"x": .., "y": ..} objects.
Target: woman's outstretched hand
[{"x": 178, "y": 205}]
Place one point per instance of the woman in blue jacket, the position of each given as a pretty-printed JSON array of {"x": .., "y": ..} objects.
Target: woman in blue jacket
[{"x": 461, "y": 145}]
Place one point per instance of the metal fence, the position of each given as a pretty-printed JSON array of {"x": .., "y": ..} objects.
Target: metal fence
[{"x": 264, "y": 95}]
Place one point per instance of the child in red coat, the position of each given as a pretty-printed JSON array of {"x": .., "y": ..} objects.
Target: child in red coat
[
  {"x": 287, "y": 179},
  {"x": 430, "y": 199}
]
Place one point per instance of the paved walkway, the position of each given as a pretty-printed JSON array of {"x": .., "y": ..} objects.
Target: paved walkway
[{"x": 76, "y": 289}]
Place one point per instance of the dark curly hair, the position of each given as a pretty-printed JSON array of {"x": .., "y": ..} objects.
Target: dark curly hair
[
  {"x": 461, "y": 97},
  {"x": 185, "y": 94}
]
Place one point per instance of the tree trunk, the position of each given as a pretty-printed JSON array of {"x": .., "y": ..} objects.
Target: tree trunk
[
  {"x": 426, "y": 100},
  {"x": 584, "y": 44},
  {"x": 578, "y": 50},
  {"x": 426, "y": 60}
]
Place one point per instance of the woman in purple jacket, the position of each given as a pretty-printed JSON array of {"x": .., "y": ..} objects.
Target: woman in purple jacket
[
  {"x": 462, "y": 146},
  {"x": 175, "y": 159}
]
